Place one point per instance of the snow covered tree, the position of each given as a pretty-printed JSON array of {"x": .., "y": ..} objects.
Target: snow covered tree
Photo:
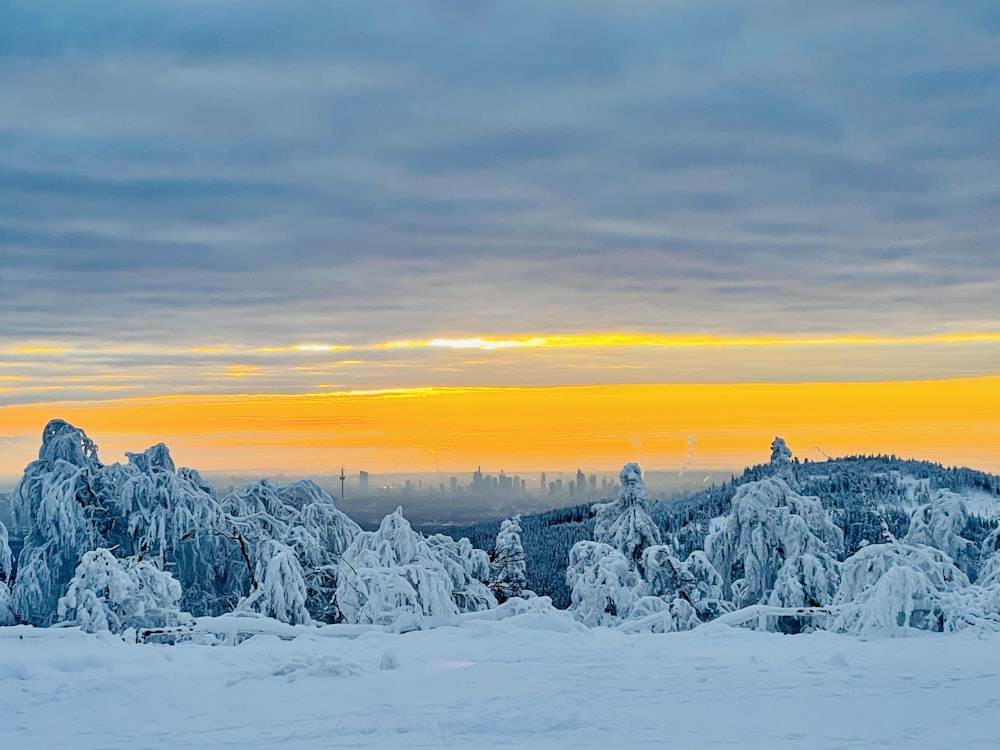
[
  {"x": 989, "y": 568},
  {"x": 781, "y": 461},
  {"x": 939, "y": 524},
  {"x": 173, "y": 517},
  {"x": 508, "y": 569},
  {"x": 6, "y": 566},
  {"x": 56, "y": 500},
  {"x": 652, "y": 614},
  {"x": 603, "y": 585},
  {"x": 770, "y": 526},
  {"x": 468, "y": 568},
  {"x": 393, "y": 576},
  {"x": 280, "y": 590},
  {"x": 319, "y": 534},
  {"x": 107, "y": 593},
  {"x": 624, "y": 523},
  {"x": 894, "y": 586},
  {"x": 781, "y": 454},
  {"x": 72, "y": 504},
  {"x": 6, "y": 606},
  {"x": 6, "y": 558},
  {"x": 694, "y": 581},
  {"x": 806, "y": 580}
]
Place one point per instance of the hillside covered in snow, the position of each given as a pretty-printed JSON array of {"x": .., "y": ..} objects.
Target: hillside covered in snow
[{"x": 856, "y": 545}]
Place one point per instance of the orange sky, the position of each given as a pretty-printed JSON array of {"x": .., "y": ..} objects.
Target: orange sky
[{"x": 519, "y": 429}]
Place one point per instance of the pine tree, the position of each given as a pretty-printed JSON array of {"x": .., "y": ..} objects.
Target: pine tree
[{"x": 508, "y": 568}]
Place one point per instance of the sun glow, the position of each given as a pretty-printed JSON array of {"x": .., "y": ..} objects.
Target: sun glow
[
  {"x": 549, "y": 341},
  {"x": 559, "y": 428}
]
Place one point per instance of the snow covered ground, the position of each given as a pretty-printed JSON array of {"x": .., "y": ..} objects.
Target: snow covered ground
[{"x": 536, "y": 680}]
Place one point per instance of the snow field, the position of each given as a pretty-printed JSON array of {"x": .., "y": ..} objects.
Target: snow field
[{"x": 536, "y": 680}]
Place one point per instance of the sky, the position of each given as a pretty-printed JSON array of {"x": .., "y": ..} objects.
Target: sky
[{"x": 414, "y": 236}]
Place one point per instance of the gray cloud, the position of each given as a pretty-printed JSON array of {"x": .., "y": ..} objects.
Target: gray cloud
[{"x": 187, "y": 174}]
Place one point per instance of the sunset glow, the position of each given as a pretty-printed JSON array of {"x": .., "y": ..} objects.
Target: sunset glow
[{"x": 563, "y": 428}]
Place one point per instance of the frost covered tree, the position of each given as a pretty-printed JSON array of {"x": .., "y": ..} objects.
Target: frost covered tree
[
  {"x": 989, "y": 568},
  {"x": 781, "y": 461},
  {"x": 6, "y": 558},
  {"x": 508, "y": 568},
  {"x": 6, "y": 606},
  {"x": 57, "y": 501},
  {"x": 781, "y": 454},
  {"x": 280, "y": 587},
  {"x": 806, "y": 580},
  {"x": 107, "y": 593},
  {"x": 603, "y": 584},
  {"x": 771, "y": 526},
  {"x": 299, "y": 515},
  {"x": 624, "y": 523},
  {"x": 694, "y": 580},
  {"x": 652, "y": 614},
  {"x": 6, "y": 567},
  {"x": 469, "y": 570},
  {"x": 172, "y": 516},
  {"x": 319, "y": 534},
  {"x": 894, "y": 586},
  {"x": 394, "y": 576},
  {"x": 939, "y": 524}
]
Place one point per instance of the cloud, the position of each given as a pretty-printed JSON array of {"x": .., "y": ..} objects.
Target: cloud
[{"x": 181, "y": 174}]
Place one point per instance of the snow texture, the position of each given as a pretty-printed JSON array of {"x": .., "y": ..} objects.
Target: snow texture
[
  {"x": 770, "y": 526},
  {"x": 534, "y": 679},
  {"x": 895, "y": 586},
  {"x": 508, "y": 568},
  {"x": 281, "y": 588},
  {"x": 6, "y": 606},
  {"x": 624, "y": 523},
  {"x": 6, "y": 558},
  {"x": 111, "y": 594},
  {"x": 602, "y": 583},
  {"x": 394, "y": 576},
  {"x": 939, "y": 524}
]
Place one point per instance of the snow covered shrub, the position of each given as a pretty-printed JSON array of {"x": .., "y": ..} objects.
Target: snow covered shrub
[
  {"x": 806, "y": 580},
  {"x": 319, "y": 534},
  {"x": 508, "y": 569},
  {"x": 303, "y": 517},
  {"x": 770, "y": 525},
  {"x": 895, "y": 586},
  {"x": 394, "y": 574},
  {"x": 6, "y": 558},
  {"x": 989, "y": 572},
  {"x": 602, "y": 584},
  {"x": 6, "y": 606},
  {"x": 901, "y": 598},
  {"x": 468, "y": 568},
  {"x": 624, "y": 523},
  {"x": 939, "y": 524},
  {"x": 694, "y": 580},
  {"x": 111, "y": 594},
  {"x": 651, "y": 614},
  {"x": 280, "y": 586},
  {"x": 6, "y": 566}
]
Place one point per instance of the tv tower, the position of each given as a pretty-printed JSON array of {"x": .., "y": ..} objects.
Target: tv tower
[{"x": 342, "y": 478}]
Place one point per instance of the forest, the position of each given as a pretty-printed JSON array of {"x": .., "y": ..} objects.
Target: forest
[{"x": 854, "y": 545}]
